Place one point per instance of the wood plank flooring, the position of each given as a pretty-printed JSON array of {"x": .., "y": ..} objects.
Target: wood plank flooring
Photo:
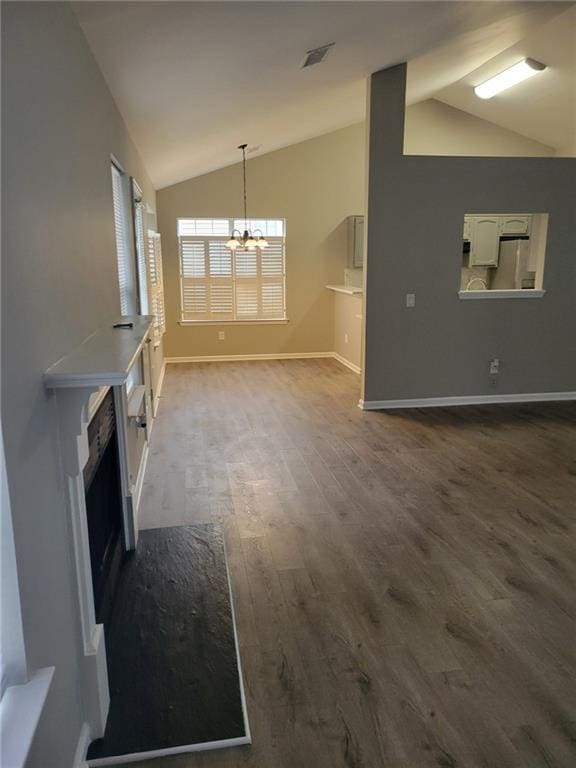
[{"x": 404, "y": 582}]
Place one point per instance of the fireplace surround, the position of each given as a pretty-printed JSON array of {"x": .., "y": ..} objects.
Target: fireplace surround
[{"x": 103, "y": 360}]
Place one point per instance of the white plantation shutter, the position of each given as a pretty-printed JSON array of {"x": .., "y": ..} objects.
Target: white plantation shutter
[
  {"x": 272, "y": 278},
  {"x": 218, "y": 284},
  {"x": 156, "y": 284},
  {"x": 141, "y": 258},
  {"x": 123, "y": 243}
]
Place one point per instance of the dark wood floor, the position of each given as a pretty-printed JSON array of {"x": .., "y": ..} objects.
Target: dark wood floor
[
  {"x": 172, "y": 604},
  {"x": 404, "y": 582}
]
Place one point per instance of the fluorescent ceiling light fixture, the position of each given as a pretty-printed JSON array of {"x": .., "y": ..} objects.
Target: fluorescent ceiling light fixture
[{"x": 511, "y": 76}]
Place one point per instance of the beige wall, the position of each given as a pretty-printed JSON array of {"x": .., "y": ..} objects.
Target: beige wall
[
  {"x": 434, "y": 128},
  {"x": 59, "y": 283},
  {"x": 348, "y": 327},
  {"x": 314, "y": 185}
]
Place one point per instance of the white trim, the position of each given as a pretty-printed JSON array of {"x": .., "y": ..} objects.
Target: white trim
[
  {"x": 114, "y": 160},
  {"x": 158, "y": 389},
  {"x": 443, "y": 402},
  {"x": 263, "y": 321},
  {"x": 518, "y": 293},
  {"x": 248, "y": 735},
  {"x": 246, "y": 358},
  {"x": 134, "y": 757},
  {"x": 20, "y": 712},
  {"x": 73, "y": 444},
  {"x": 139, "y": 484},
  {"x": 82, "y": 745},
  {"x": 135, "y": 398},
  {"x": 130, "y": 527},
  {"x": 347, "y": 363}
]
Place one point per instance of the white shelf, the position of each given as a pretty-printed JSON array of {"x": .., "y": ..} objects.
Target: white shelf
[
  {"x": 104, "y": 358},
  {"x": 351, "y": 290},
  {"x": 518, "y": 293}
]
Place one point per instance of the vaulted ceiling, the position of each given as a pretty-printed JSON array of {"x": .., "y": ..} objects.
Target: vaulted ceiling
[
  {"x": 194, "y": 80},
  {"x": 544, "y": 107}
]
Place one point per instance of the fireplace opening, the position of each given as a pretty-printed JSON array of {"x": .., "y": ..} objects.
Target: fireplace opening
[{"x": 104, "y": 507}]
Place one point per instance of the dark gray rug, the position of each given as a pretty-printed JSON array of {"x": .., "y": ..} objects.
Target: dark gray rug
[{"x": 172, "y": 662}]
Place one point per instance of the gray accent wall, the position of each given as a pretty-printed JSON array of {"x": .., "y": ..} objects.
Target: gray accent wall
[
  {"x": 416, "y": 206},
  {"x": 59, "y": 283}
]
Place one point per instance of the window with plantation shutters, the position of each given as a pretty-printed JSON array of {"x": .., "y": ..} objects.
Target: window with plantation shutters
[
  {"x": 221, "y": 285},
  {"x": 122, "y": 227},
  {"x": 156, "y": 284}
]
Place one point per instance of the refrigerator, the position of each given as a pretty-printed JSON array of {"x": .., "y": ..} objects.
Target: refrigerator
[{"x": 514, "y": 269}]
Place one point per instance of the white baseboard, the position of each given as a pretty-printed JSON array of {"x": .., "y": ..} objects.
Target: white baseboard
[
  {"x": 347, "y": 363},
  {"x": 247, "y": 358},
  {"x": 443, "y": 402},
  {"x": 271, "y": 356},
  {"x": 82, "y": 747}
]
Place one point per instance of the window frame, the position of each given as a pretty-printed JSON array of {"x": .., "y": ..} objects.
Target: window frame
[
  {"x": 537, "y": 232},
  {"x": 125, "y": 240},
  {"x": 234, "y": 223}
]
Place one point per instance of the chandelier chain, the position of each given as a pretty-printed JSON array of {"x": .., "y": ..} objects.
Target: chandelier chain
[{"x": 243, "y": 147}]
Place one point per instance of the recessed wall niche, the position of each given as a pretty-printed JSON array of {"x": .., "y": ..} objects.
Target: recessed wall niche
[{"x": 503, "y": 254}]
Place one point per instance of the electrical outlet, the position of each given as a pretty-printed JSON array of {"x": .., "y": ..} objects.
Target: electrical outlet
[
  {"x": 345, "y": 338},
  {"x": 221, "y": 335},
  {"x": 410, "y": 300},
  {"x": 493, "y": 371}
]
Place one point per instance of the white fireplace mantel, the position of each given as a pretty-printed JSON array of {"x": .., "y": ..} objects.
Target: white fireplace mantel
[{"x": 104, "y": 359}]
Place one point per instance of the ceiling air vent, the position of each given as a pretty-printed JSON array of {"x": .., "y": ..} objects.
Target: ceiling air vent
[{"x": 316, "y": 55}]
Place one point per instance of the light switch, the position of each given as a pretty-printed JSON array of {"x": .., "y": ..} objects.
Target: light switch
[
  {"x": 410, "y": 299},
  {"x": 221, "y": 335},
  {"x": 345, "y": 338}
]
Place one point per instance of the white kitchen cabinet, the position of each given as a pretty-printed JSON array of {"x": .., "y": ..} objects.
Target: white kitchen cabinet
[
  {"x": 515, "y": 225},
  {"x": 466, "y": 232},
  {"x": 355, "y": 242},
  {"x": 484, "y": 241}
]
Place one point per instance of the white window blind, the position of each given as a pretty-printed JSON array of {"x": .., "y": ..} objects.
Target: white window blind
[
  {"x": 218, "y": 284},
  {"x": 123, "y": 243},
  {"x": 156, "y": 284}
]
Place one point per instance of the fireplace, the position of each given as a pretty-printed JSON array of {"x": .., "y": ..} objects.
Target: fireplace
[
  {"x": 102, "y": 499},
  {"x": 103, "y": 506}
]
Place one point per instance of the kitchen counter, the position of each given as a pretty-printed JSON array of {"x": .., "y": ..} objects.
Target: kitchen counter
[{"x": 351, "y": 290}]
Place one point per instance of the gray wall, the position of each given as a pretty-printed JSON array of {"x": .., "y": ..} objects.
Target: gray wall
[
  {"x": 416, "y": 207},
  {"x": 59, "y": 283}
]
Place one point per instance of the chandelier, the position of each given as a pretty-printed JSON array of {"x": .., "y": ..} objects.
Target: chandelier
[{"x": 247, "y": 239}]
